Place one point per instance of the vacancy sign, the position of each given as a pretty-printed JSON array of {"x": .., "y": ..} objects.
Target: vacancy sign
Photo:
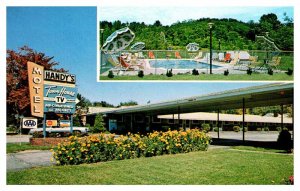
[{"x": 36, "y": 88}]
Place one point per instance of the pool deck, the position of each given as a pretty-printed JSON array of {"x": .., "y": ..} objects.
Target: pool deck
[{"x": 148, "y": 70}]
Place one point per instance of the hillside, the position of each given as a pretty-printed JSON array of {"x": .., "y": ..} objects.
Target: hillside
[{"x": 231, "y": 33}]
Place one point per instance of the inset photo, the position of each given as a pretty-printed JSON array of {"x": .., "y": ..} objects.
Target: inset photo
[{"x": 196, "y": 43}]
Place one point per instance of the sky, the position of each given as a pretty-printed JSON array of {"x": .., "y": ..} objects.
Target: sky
[
  {"x": 69, "y": 34},
  {"x": 170, "y": 15}
]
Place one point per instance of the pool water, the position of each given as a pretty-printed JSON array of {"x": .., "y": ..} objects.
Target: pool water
[{"x": 179, "y": 64}]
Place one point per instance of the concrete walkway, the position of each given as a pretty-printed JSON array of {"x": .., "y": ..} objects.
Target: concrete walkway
[{"x": 28, "y": 159}]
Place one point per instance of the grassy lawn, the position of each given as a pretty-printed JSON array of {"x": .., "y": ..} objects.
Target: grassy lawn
[
  {"x": 240, "y": 77},
  {"x": 216, "y": 166},
  {"x": 16, "y": 147}
]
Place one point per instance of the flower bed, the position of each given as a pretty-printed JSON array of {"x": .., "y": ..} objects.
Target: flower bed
[
  {"x": 110, "y": 147},
  {"x": 46, "y": 141}
]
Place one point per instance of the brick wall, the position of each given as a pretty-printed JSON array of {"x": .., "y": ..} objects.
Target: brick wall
[{"x": 46, "y": 141}]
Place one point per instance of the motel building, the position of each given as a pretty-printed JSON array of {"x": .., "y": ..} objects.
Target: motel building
[{"x": 194, "y": 111}]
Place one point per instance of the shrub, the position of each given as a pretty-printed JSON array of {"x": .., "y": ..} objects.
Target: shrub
[
  {"x": 169, "y": 73},
  {"x": 110, "y": 74},
  {"x": 215, "y": 129},
  {"x": 266, "y": 129},
  {"x": 289, "y": 72},
  {"x": 258, "y": 129},
  {"x": 236, "y": 128},
  {"x": 76, "y": 121},
  {"x": 37, "y": 134},
  {"x": 141, "y": 73},
  {"x": 245, "y": 129},
  {"x": 270, "y": 71},
  {"x": 249, "y": 71},
  {"x": 278, "y": 129},
  {"x": 284, "y": 140},
  {"x": 195, "y": 72},
  {"x": 98, "y": 125},
  {"x": 93, "y": 149},
  {"x": 205, "y": 127},
  {"x": 226, "y": 72},
  {"x": 285, "y": 129},
  {"x": 165, "y": 128}
]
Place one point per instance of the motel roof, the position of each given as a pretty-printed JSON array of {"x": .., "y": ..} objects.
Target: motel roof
[
  {"x": 255, "y": 96},
  {"x": 204, "y": 116}
]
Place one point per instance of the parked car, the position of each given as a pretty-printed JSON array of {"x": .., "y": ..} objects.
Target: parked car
[{"x": 81, "y": 130}]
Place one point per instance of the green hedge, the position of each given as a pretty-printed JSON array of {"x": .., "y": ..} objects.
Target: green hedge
[{"x": 110, "y": 147}]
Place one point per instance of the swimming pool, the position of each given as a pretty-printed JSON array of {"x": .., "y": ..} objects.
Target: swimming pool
[{"x": 179, "y": 64}]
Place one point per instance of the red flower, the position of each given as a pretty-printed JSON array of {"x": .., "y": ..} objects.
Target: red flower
[{"x": 291, "y": 179}]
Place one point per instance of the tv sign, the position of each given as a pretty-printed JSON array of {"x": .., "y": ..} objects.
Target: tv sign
[
  {"x": 59, "y": 99},
  {"x": 29, "y": 123}
]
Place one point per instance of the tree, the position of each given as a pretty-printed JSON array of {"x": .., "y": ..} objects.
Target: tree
[
  {"x": 102, "y": 104},
  {"x": 128, "y": 103},
  {"x": 98, "y": 125},
  {"x": 83, "y": 102},
  {"x": 17, "y": 91}
]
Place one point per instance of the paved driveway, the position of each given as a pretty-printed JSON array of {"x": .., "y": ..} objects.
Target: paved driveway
[
  {"x": 28, "y": 159},
  {"x": 265, "y": 136}
]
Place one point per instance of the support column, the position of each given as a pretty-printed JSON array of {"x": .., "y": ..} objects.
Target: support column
[
  {"x": 243, "y": 119},
  {"x": 131, "y": 122},
  {"x": 281, "y": 116},
  {"x": 218, "y": 124},
  {"x": 44, "y": 126},
  {"x": 178, "y": 116},
  {"x": 173, "y": 122},
  {"x": 71, "y": 124},
  {"x": 293, "y": 122}
]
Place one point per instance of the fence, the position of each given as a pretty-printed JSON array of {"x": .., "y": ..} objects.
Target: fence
[{"x": 110, "y": 59}]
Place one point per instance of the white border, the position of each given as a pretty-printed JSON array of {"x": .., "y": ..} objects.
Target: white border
[{"x": 153, "y": 3}]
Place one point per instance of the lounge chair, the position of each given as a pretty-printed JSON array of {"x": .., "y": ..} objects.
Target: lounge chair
[
  {"x": 227, "y": 58},
  {"x": 221, "y": 56},
  {"x": 177, "y": 55},
  {"x": 168, "y": 55},
  {"x": 151, "y": 55},
  {"x": 274, "y": 63},
  {"x": 215, "y": 56},
  {"x": 243, "y": 61},
  {"x": 140, "y": 55},
  {"x": 127, "y": 66},
  {"x": 199, "y": 56}
]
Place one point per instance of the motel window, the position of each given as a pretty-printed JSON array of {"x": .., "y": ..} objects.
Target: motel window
[
  {"x": 156, "y": 120},
  {"x": 138, "y": 118},
  {"x": 195, "y": 122},
  {"x": 171, "y": 121},
  {"x": 119, "y": 118}
]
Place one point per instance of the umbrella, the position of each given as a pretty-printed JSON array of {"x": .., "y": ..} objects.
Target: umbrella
[
  {"x": 192, "y": 47},
  {"x": 138, "y": 46},
  {"x": 118, "y": 40}
]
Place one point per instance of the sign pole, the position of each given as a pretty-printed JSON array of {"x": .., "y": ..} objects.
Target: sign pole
[
  {"x": 20, "y": 129},
  {"x": 71, "y": 124},
  {"x": 44, "y": 126}
]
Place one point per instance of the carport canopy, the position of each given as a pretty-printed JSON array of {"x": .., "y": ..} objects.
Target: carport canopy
[{"x": 255, "y": 96}]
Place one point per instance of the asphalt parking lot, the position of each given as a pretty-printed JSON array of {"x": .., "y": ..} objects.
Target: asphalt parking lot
[{"x": 263, "y": 136}]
